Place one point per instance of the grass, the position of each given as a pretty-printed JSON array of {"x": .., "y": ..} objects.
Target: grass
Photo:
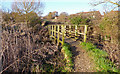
[
  {"x": 68, "y": 57},
  {"x": 100, "y": 58}
]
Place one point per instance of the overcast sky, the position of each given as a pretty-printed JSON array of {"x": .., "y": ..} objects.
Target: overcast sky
[{"x": 69, "y": 6}]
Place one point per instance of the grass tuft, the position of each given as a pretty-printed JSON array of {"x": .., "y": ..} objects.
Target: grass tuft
[
  {"x": 68, "y": 57},
  {"x": 100, "y": 58}
]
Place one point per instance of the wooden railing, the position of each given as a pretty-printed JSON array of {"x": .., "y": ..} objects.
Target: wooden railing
[{"x": 59, "y": 32}]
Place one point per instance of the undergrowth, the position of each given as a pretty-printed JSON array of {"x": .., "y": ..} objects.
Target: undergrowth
[
  {"x": 67, "y": 57},
  {"x": 100, "y": 57}
]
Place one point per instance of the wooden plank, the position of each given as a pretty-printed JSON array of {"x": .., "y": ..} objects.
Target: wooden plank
[
  {"x": 81, "y": 33},
  {"x": 81, "y": 25},
  {"x": 72, "y": 31},
  {"x": 61, "y": 41},
  {"x": 60, "y": 33}
]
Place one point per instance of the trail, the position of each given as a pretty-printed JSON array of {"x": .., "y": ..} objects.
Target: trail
[{"x": 82, "y": 62}]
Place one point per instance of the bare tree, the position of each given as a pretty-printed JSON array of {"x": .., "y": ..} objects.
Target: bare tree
[
  {"x": 109, "y": 4},
  {"x": 27, "y": 6},
  {"x": 63, "y": 17}
]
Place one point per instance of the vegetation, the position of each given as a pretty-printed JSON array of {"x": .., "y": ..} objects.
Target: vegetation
[
  {"x": 109, "y": 26},
  {"x": 63, "y": 17},
  {"x": 49, "y": 16},
  {"x": 24, "y": 11},
  {"x": 109, "y": 5},
  {"x": 35, "y": 51},
  {"x": 68, "y": 57},
  {"x": 100, "y": 58},
  {"x": 79, "y": 20},
  {"x": 29, "y": 49}
]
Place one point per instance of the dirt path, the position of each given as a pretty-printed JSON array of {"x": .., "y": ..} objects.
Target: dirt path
[{"x": 82, "y": 62}]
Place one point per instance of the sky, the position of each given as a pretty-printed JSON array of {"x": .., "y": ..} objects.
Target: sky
[{"x": 69, "y": 6}]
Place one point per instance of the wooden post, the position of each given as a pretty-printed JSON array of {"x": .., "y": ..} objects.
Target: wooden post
[
  {"x": 85, "y": 32},
  {"x": 55, "y": 33},
  {"x": 65, "y": 30},
  {"x": 52, "y": 30},
  {"x": 69, "y": 30},
  {"x": 58, "y": 34},
  {"x": 63, "y": 33},
  {"x": 49, "y": 29},
  {"x": 76, "y": 32}
]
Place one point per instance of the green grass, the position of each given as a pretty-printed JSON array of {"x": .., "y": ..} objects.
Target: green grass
[
  {"x": 100, "y": 58},
  {"x": 68, "y": 57}
]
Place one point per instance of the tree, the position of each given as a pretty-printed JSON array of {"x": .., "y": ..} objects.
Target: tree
[
  {"x": 26, "y": 7},
  {"x": 109, "y": 4},
  {"x": 49, "y": 15},
  {"x": 63, "y": 14},
  {"x": 63, "y": 17},
  {"x": 79, "y": 20}
]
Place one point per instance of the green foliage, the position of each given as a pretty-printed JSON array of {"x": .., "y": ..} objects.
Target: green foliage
[
  {"x": 99, "y": 57},
  {"x": 34, "y": 21},
  {"x": 78, "y": 20},
  {"x": 68, "y": 57}
]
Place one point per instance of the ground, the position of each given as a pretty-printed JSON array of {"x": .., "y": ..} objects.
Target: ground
[{"x": 82, "y": 61}]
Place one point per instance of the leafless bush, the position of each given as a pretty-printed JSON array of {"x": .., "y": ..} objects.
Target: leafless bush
[{"x": 24, "y": 49}]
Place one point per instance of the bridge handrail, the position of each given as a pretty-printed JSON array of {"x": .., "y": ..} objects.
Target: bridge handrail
[{"x": 56, "y": 30}]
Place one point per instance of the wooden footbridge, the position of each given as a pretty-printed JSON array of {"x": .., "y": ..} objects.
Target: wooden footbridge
[{"x": 58, "y": 33}]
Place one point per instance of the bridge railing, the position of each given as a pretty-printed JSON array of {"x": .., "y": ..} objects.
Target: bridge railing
[{"x": 59, "y": 32}]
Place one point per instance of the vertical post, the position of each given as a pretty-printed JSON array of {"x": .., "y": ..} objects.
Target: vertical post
[
  {"x": 58, "y": 36},
  {"x": 69, "y": 30},
  {"x": 85, "y": 32},
  {"x": 49, "y": 30},
  {"x": 52, "y": 30},
  {"x": 55, "y": 33},
  {"x": 65, "y": 30},
  {"x": 63, "y": 33},
  {"x": 76, "y": 32}
]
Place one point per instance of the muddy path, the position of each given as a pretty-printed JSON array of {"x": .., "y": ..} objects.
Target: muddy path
[{"x": 82, "y": 61}]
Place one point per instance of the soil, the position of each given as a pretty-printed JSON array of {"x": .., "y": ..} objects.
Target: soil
[{"x": 82, "y": 61}]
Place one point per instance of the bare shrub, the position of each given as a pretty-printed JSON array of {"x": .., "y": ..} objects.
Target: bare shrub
[{"x": 25, "y": 50}]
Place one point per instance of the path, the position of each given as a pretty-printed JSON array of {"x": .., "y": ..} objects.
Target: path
[{"x": 82, "y": 62}]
